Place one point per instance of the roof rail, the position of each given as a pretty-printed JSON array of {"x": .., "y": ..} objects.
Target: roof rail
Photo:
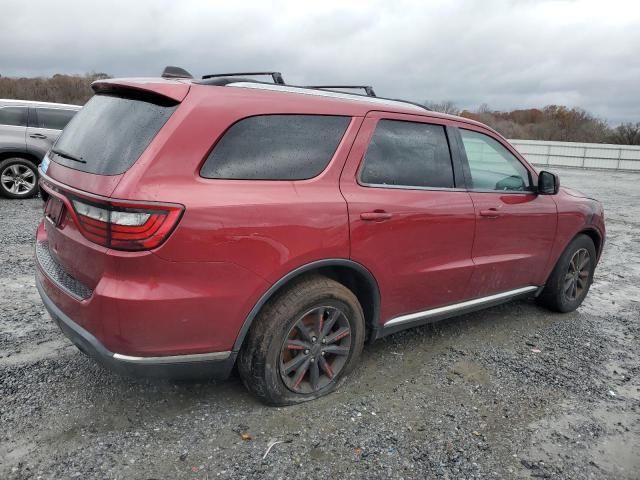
[
  {"x": 276, "y": 76},
  {"x": 321, "y": 92},
  {"x": 368, "y": 89},
  {"x": 175, "y": 72},
  {"x": 222, "y": 79}
]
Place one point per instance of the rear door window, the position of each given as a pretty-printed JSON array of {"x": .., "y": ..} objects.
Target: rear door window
[
  {"x": 408, "y": 154},
  {"x": 276, "y": 147},
  {"x": 13, "y": 116},
  {"x": 53, "y": 118},
  {"x": 108, "y": 135}
]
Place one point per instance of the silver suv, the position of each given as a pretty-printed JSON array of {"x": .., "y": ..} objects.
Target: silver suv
[{"x": 27, "y": 131}]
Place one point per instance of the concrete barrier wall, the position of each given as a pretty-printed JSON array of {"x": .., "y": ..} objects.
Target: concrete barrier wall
[{"x": 581, "y": 155}]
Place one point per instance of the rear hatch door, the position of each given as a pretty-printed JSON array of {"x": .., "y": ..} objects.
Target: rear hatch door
[{"x": 95, "y": 150}]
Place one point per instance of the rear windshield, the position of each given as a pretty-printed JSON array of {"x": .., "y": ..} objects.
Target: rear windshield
[{"x": 108, "y": 135}]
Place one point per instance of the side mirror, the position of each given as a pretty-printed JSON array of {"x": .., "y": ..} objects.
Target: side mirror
[{"x": 548, "y": 183}]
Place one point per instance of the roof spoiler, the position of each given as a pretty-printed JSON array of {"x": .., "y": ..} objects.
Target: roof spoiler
[{"x": 171, "y": 90}]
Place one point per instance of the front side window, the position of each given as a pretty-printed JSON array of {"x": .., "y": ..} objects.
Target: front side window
[
  {"x": 14, "y": 116},
  {"x": 54, "y": 118},
  {"x": 492, "y": 166},
  {"x": 408, "y": 154},
  {"x": 276, "y": 147}
]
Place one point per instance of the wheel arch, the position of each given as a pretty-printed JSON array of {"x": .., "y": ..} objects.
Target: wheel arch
[
  {"x": 4, "y": 155},
  {"x": 595, "y": 236},
  {"x": 590, "y": 232},
  {"x": 352, "y": 275}
]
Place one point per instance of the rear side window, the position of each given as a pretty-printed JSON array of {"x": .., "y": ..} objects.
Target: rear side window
[
  {"x": 276, "y": 147},
  {"x": 54, "y": 118},
  {"x": 108, "y": 135},
  {"x": 14, "y": 116},
  {"x": 408, "y": 154}
]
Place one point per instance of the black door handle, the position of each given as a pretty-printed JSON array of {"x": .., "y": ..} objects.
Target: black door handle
[{"x": 37, "y": 135}]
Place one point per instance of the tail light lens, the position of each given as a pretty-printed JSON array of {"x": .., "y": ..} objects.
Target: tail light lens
[{"x": 125, "y": 225}]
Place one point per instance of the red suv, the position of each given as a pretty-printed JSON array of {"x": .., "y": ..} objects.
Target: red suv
[{"x": 191, "y": 225}]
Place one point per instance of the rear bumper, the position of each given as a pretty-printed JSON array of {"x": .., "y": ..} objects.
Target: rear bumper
[{"x": 205, "y": 365}]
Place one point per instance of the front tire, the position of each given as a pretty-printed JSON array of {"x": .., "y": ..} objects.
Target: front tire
[
  {"x": 572, "y": 276},
  {"x": 304, "y": 342},
  {"x": 18, "y": 178}
]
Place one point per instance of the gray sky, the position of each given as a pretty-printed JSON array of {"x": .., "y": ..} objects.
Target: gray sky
[{"x": 508, "y": 54}]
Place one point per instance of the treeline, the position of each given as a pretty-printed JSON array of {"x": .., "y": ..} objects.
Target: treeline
[
  {"x": 553, "y": 122},
  {"x": 73, "y": 89}
]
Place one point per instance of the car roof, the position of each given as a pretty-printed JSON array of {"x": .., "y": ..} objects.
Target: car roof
[
  {"x": 348, "y": 103},
  {"x": 325, "y": 101},
  {"x": 32, "y": 103}
]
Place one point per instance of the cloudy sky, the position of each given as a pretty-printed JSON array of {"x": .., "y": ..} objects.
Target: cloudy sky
[{"x": 507, "y": 54}]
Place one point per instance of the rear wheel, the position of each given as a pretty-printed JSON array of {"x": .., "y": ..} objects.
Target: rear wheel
[
  {"x": 304, "y": 342},
  {"x": 18, "y": 178},
  {"x": 572, "y": 276}
]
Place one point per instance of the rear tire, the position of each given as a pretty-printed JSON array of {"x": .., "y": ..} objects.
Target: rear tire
[
  {"x": 304, "y": 342},
  {"x": 572, "y": 276},
  {"x": 18, "y": 178}
]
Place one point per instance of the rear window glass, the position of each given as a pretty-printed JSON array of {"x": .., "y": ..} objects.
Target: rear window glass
[
  {"x": 276, "y": 147},
  {"x": 108, "y": 135},
  {"x": 54, "y": 118},
  {"x": 15, "y": 116}
]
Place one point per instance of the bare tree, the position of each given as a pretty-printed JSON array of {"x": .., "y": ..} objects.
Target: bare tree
[
  {"x": 73, "y": 89},
  {"x": 446, "y": 106},
  {"x": 626, "y": 134}
]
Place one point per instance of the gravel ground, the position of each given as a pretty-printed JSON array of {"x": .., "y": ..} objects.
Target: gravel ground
[{"x": 510, "y": 392}]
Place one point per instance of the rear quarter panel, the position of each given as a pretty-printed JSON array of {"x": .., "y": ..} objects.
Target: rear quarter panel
[{"x": 266, "y": 228}]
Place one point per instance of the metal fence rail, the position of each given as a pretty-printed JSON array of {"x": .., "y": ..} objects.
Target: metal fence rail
[{"x": 581, "y": 155}]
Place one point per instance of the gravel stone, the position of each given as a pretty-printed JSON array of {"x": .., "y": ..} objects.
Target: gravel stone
[{"x": 464, "y": 398}]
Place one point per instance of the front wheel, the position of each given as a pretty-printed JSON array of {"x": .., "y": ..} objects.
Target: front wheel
[
  {"x": 304, "y": 342},
  {"x": 572, "y": 276}
]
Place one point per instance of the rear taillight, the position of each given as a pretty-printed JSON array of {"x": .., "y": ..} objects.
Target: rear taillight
[{"x": 126, "y": 225}]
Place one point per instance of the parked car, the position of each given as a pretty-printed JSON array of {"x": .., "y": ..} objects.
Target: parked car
[
  {"x": 27, "y": 131},
  {"x": 192, "y": 225}
]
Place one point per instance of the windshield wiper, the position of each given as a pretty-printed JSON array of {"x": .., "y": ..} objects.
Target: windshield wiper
[{"x": 67, "y": 155}]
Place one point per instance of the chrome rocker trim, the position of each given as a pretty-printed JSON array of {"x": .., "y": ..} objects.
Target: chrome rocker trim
[
  {"x": 418, "y": 318},
  {"x": 196, "y": 357}
]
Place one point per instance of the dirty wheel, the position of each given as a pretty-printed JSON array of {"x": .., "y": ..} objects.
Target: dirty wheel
[
  {"x": 571, "y": 278},
  {"x": 18, "y": 178},
  {"x": 304, "y": 342}
]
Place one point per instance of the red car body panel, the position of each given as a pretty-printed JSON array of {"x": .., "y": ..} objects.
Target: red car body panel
[
  {"x": 421, "y": 256},
  {"x": 511, "y": 249},
  {"x": 237, "y": 239}
]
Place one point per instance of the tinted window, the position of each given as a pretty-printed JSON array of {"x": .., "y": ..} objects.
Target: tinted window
[
  {"x": 408, "y": 154},
  {"x": 492, "y": 166},
  {"x": 16, "y": 116},
  {"x": 276, "y": 147},
  {"x": 110, "y": 133},
  {"x": 54, "y": 118}
]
